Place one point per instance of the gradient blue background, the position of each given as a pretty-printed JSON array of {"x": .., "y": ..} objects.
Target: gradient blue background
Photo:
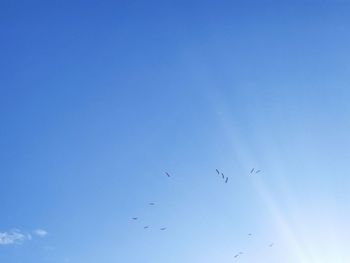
[{"x": 99, "y": 98}]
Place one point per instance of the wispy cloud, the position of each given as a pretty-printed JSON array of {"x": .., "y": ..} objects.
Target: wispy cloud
[
  {"x": 40, "y": 232},
  {"x": 17, "y": 237},
  {"x": 13, "y": 237}
]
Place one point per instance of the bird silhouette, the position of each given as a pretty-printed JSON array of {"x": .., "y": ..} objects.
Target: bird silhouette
[
  {"x": 145, "y": 227},
  {"x": 217, "y": 171},
  {"x": 167, "y": 174},
  {"x": 252, "y": 170},
  {"x": 226, "y": 180},
  {"x": 238, "y": 254},
  {"x": 258, "y": 171},
  {"x": 163, "y": 228},
  {"x": 223, "y": 176},
  {"x": 151, "y": 203},
  {"x": 134, "y": 218},
  {"x": 271, "y": 245}
]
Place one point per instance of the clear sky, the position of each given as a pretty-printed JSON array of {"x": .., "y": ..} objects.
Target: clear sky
[{"x": 98, "y": 99}]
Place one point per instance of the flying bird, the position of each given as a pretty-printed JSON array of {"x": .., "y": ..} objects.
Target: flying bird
[
  {"x": 145, "y": 227},
  {"x": 258, "y": 171},
  {"x": 151, "y": 203},
  {"x": 223, "y": 176},
  {"x": 237, "y": 255},
  {"x": 163, "y": 228},
  {"x": 271, "y": 245},
  {"x": 217, "y": 171},
  {"x": 252, "y": 170},
  {"x": 167, "y": 174},
  {"x": 134, "y": 218},
  {"x": 226, "y": 180},
  {"x": 249, "y": 234}
]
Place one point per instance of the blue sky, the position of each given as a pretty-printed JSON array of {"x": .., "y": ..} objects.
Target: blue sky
[{"x": 100, "y": 98}]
